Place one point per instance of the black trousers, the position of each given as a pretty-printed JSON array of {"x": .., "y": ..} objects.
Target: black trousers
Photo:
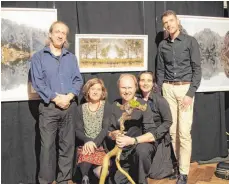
[
  {"x": 52, "y": 122},
  {"x": 137, "y": 164}
]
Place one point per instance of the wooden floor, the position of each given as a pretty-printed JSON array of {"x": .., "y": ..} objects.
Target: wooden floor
[{"x": 199, "y": 174}]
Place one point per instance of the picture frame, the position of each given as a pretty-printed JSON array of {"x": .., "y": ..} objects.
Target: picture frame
[
  {"x": 111, "y": 52},
  {"x": 212, "y": 35},
  {"x": 23, "y": 32}
]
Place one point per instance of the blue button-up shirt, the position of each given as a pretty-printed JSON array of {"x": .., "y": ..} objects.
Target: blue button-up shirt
[{"x": 51, "y": 74}]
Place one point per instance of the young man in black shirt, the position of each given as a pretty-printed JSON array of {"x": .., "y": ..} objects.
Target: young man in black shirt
[{"x": 179, "y": 75}]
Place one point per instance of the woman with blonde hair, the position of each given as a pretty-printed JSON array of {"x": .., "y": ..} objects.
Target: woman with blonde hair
[{"x": 92, "y": 128}]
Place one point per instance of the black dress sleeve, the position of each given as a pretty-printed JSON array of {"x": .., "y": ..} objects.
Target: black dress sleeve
[
  {"x": 166, "y": 117},
  {"x": 148, "y": 122}
]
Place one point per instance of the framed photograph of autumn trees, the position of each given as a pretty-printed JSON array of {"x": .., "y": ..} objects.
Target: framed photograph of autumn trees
[{"x": 111, "y": 53}]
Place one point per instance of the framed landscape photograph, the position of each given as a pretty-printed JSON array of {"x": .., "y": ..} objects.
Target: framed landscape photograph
[
  {"x": 23, "y": 32},
  {"x": 212, "y": 34},
  {"x": 111, "y": 53}
]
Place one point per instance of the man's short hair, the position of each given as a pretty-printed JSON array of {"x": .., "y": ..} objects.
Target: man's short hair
[
  {"x": 129, "y": 75},
  {"x": 167, "y": 13}
]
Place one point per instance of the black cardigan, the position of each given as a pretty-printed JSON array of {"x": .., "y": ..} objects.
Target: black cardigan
[
  {"x": 162, "y": 116},
  {"x": 105, "y": 124}
]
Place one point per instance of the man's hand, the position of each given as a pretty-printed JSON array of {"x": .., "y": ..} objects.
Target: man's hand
[
  {"x": 186, "y": 102},
  {"x": 114, "y": 134},
  {"x": 57, "y": 101},
  {"x": 123, "y": 140},
  {"x": 63, "y": 101},
  {"x": 89, "y": 148}
]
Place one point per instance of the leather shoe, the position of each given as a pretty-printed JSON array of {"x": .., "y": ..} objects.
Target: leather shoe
[
  {"x": 182, "y": 179},
  {"x": 85, "y": 180}
]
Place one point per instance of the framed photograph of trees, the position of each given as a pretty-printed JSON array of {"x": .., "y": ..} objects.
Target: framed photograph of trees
[
  {"x": 23, "y": 32},
  {"x": 212, "y": 34},
  {"x": 111, "y": 53}
]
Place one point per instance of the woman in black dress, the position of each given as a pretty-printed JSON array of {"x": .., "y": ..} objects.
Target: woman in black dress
[{"x": 162, "y": 164}]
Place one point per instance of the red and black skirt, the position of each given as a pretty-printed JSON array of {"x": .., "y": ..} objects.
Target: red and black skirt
[{"x": 95, "y": 158}]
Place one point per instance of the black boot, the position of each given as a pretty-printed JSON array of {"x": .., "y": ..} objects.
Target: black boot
[
  {"x": 85, "y": 180},
  {"x": 182, "y": 179},
  {"x": 175, "y": 173}
]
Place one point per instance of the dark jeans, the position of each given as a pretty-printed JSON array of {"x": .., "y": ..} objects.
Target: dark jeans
[
  {"x": 137, "y": 164},
  {"x": 52, "y": 122}
]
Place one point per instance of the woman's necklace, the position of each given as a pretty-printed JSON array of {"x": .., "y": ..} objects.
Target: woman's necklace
[{"x": 95, "y": 109}]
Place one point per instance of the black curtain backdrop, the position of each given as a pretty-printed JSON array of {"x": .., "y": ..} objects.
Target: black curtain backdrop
[
  {"x": 227, "y": 94},
  {"x": 20, "y": 135}
]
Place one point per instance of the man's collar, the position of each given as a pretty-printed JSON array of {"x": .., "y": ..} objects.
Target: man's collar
[
  {"x": 64, "y": 50},
  {"x": 47, "y": 49},
  {"x": 179, "y": 37}
]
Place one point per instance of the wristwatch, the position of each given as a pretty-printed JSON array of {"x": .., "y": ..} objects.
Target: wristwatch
[{"x": 135, "y": 141}]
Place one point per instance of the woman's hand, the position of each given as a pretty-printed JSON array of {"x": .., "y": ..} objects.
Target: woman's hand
[
  {"x": 89, "y": 148},
  {"x": 124, "y": 140}
]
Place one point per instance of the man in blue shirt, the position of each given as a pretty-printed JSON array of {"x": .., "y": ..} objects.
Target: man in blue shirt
[{"x": 56, "y": 78}]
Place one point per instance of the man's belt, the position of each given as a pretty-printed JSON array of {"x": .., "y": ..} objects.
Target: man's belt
[{"x": 177, "y": 82}]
